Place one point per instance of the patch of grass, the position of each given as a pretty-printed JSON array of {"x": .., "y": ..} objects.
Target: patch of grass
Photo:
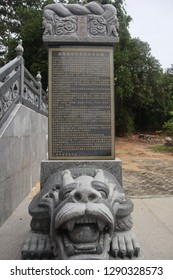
[{"x": 162, "y": 149}]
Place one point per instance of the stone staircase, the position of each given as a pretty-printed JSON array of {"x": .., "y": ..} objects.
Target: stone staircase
[{"x": 23, "y": 132}]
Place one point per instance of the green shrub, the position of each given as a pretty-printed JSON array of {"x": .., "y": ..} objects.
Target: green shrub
[{"x": 168, "y": 127}]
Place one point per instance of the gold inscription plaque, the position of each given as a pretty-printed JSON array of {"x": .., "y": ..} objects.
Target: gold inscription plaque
[{"x": 81, "y": 103}]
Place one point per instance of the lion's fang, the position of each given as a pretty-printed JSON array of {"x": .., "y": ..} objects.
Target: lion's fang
[
  {"x": 70, "y": 225},
  {"x": 101, "y": 225}
]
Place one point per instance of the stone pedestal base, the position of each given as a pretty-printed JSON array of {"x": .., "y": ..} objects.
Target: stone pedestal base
[{"x": 49, "y": 167}]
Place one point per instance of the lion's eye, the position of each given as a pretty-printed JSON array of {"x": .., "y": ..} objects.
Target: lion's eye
[
  {"x": 103, "y": 193},
  {"x": 102, "y": 188},
  {"x": 66, "y": 190},
  {"x": 66, "y": 195}
]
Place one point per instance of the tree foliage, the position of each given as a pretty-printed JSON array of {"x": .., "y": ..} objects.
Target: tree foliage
[
  {"x": 23, "y": 20},
  {"x": 143, "y": 91}
]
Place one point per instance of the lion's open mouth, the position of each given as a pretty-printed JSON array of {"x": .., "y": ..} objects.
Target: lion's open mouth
[
  {"x": 84, "y": 228},
  {"x": 84, "y": 235}
]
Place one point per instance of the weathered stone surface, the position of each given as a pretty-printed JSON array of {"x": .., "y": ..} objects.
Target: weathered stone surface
[
  {"x": 49, "y": 167},
  {"x": 83, "y": 213},
  {"x": 92, "y": 23}
]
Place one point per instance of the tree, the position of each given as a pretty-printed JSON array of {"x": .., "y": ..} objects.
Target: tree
[
  {"x": 138, "y": 82},
  {"x": 10, "y": 20},
  {"x": 167, "y": 88},
  {"x": 27, "y": 16}
]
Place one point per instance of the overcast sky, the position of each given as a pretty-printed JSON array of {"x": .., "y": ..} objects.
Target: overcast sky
[{"x": 153, "y": 23}]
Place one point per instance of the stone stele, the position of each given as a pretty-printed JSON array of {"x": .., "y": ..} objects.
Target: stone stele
[{"x": 81, "y": 211}]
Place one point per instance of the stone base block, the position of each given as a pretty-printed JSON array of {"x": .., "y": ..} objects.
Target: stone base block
[{"x": 48, "y": 167}]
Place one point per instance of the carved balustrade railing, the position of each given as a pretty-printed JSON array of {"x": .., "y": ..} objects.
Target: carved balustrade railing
[
  {"x": 10, "y": 90},
  {"x": 17, "y": 85},
  {"x": 33, "y": 95}
]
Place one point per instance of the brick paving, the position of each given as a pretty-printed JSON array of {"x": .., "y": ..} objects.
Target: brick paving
[
  {"x": 137, "y": 183},
  {"x": 145, "y": 173}
]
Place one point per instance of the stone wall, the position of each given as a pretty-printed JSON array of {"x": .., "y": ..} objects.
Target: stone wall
[{"x": 23, "y": 144}]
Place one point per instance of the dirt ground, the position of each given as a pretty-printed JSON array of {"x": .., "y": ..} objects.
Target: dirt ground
[{"x": 145, "y": 172}]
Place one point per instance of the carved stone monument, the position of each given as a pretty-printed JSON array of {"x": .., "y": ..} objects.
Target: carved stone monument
[{"x": 81, "y": 211}]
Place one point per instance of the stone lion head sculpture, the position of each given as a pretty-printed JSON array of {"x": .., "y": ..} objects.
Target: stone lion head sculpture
[{"x": 84, "y": 208}]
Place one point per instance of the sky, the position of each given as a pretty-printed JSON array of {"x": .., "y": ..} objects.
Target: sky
[{"x": 153, "y": 23}]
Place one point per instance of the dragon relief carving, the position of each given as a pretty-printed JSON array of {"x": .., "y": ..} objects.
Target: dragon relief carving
[
  {"x": 60, "y": 26},
  {"x": 81, "y": 217},
  {"x": 10, "y": 95},
  {"x": 60, "y": 19}
]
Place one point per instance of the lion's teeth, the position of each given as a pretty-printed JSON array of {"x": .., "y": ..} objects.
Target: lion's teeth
[
  {"x": 79, "y": 220},
  {"x": 101, "y": 225},
  {"x": 86, "y": 220},
  {"x": 70, "y": 225}
]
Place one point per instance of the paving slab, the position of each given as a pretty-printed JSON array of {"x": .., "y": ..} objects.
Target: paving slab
[{"x": 153, "y": 224}]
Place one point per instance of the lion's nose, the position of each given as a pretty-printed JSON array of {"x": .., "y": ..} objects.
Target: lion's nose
[{"x": 85, "y": 196}]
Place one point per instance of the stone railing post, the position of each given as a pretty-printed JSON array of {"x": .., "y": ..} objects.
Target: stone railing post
[
  {"x": 19, "y": 53},
  {"x": 38, "y": 78}
]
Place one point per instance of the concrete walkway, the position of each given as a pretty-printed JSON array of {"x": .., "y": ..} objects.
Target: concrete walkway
[{"x": 153, "y": 224}]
